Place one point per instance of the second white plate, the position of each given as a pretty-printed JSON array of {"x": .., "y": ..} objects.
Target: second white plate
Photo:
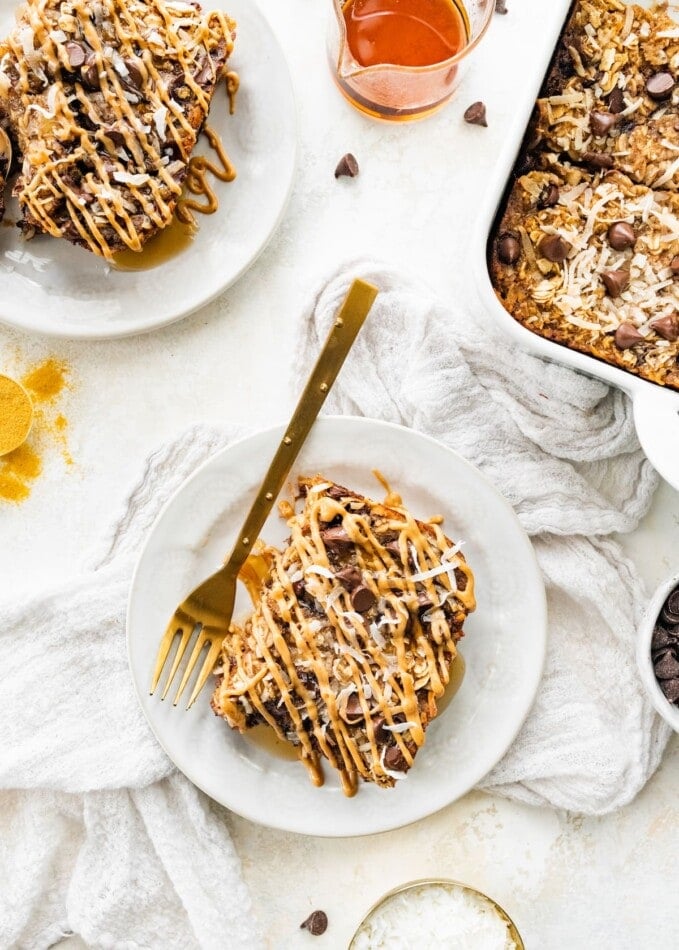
[
  {"x": 51, "y": 287},
  {"x": 504, "y": 646}
]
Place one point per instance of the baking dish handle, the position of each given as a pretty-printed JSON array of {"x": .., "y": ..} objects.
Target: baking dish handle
[{"x": 656, "y": 416}]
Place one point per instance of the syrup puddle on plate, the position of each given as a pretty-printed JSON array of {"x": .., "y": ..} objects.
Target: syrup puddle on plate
[{"x": 167, "y": 244}]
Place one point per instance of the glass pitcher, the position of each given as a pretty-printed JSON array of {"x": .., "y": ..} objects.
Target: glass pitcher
[{"x": 399, "y": 93}]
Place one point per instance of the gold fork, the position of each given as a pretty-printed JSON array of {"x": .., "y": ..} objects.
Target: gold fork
[{"x": 209, "y": 607}]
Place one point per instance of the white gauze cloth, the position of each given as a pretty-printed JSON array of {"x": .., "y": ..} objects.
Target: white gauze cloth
[{"x": 101, "y": 837}]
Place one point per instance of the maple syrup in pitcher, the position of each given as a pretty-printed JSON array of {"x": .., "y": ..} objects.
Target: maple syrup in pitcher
[{"x": 398, "y": 57}]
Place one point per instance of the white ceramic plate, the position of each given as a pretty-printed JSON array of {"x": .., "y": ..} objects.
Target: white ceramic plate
[
  {"x": 51, "y": 287},
  {"x": 504, "y": 647}
]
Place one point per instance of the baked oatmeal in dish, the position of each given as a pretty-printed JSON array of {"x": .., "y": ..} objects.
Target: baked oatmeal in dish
[
  {"x": 352, "y": 637},
  {"x": 586, "y": 249},
  {"x": 104, "y": 101}
]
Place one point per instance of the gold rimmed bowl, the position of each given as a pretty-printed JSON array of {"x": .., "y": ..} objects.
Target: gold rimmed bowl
[{"x": 447, "y": 884}]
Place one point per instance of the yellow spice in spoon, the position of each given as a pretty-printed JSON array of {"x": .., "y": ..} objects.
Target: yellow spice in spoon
[{"x": 16, "y": 415}]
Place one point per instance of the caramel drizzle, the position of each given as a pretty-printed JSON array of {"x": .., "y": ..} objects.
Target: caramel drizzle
[
  {"x": 391, "y": 689},
  {"x": 197, "y": 182},
  {"x": 139, "y": 29}
]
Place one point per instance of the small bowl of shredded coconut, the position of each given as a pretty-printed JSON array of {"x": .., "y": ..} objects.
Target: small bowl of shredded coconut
[{"x": 436, "y": 913}]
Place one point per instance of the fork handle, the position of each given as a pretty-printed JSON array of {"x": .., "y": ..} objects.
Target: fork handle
[{"x": 348, "y": 322}]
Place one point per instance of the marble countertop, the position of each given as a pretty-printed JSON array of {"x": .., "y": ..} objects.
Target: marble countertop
[{"x": 568, "y": 882}]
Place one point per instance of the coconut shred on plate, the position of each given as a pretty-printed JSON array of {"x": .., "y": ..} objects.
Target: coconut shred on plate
[{"x": 443, "y": 916}]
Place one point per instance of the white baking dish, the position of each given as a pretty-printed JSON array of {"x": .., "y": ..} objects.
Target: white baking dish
[{"x": 656, "y": 409}]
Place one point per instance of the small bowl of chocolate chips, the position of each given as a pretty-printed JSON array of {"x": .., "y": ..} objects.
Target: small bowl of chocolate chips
[{"x": 658, "y": 651}]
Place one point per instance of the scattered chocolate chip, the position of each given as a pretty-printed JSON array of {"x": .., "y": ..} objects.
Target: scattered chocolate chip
[
  {"x": 424, "y": 601},
  {"x": 615, "y": 281},
  {"x": 616, "y": 101},
  {"x": 75, "y": 52},
  {"x": 501, "y": 7},
  {"x": 394, "y": 759},
  {"x": 476, "y": 114},
  {"x": 659, "y": 86},
  {"x": 347, "y": 167},
  {"x": 626, "y": 336},
  {"x": 353, "y": 711},
  {"x": 621, "y": 235},
  {"x": 549, "y": 196},
  {"x": 508, "y": 248},
  {"x": 394, "y": 548},
  {"x": 363, "y": 599},
  {"x": 667, "y": 327},
  {"x": 598, "y": 159},
  {"x": 316, "y": 923},
  {"x": 554, "y": 248},
  {"x": 381, "y": 734},
  {"x": 601, "y": 123},
  {"x": 350, "y": 578},
  {"x": 674, "y": 265},
  {"x": 338, "y": 492},
  {"x": 336, "y": 537},
  {"x": 667, "y": 668}
]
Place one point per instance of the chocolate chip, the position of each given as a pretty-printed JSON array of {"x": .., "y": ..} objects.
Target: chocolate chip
[
  {"x": 476, "y": 114},
  {"x": 335, "y": 538},
  {"x": 554, "y": 248},
  {"x": 616, "y": 101},
  {"x": 350, "y": 578},
  {"x": 621, "y": 235},
  {"x": 601, "y": 123},
  {"x": 598, "y": 159},
  {"x": 347, "y": 167},
  {"x": 549, "y": 196},
  {"x": 90, "y": 72},
  {"x": 615, "y": 281},
  {"x": 394, "y": 548},
  {"x": 394, "y": 759},
  {"x": 299, "y": 589},
  {"x": 353, "y": 711},
  {"x": 667, "y": 327},
  {"x": 669, "y": 617},
  {"x": 659, "y": 86},
  {"x": 75, "y": 52},
  {"x": 674, "y": 265},
  {"x": 381, "y": 734},
  {"x": 508, "y": 248},
  {"x": 667, "y": 668},
  {"x": 671, "y": 689},
  {"x": 338, "y": 492},
  {"x": 363, "y": 599},
  {"x": 136, "y": 77},
  {"x": 316, "y": 923},
  {"x": 500, "y": 7},
  {"x": 662, "y": 639},
  {"x": 626, "y": 336}
]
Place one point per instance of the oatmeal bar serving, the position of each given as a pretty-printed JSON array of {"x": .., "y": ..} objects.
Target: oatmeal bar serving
[
  {"x": 352, "y": 636},
  {"x": 104, "y": 100},
  {"x": 586, "y": 251}
]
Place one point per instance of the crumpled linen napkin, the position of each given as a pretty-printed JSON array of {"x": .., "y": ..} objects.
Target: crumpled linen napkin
[{"x": 100, "y": 836}]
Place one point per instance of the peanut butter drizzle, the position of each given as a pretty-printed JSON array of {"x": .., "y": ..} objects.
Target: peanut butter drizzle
[
  {"x": 137, "y": 27},
  {"x": 197, "y": 183},
  {"x": 380, "y": 676},
  {"x": 232, "y": 87}
]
